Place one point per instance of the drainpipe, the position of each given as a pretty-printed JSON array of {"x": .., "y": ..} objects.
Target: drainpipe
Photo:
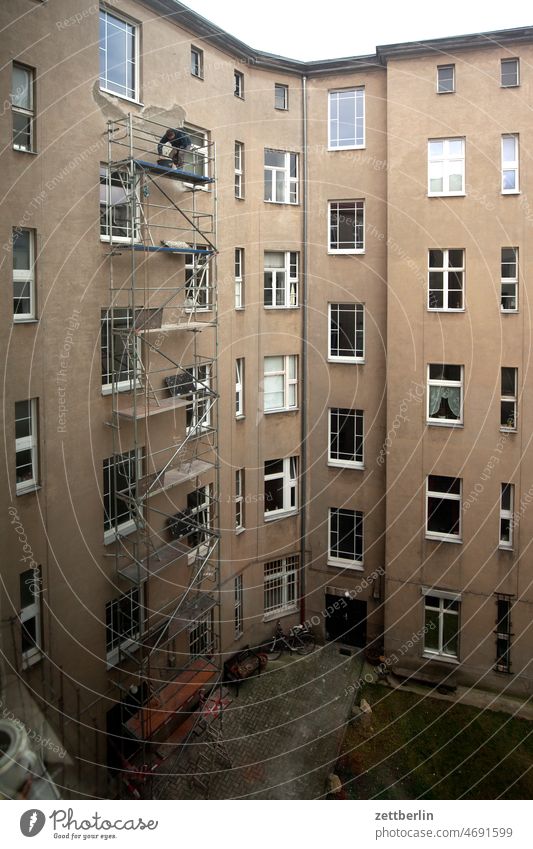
[{"x": 303, "y": 438}]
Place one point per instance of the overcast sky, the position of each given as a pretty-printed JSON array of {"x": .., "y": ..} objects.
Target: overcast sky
[{"x": 311, "y": 30}]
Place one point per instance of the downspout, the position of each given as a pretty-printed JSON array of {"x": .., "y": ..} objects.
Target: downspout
[{"x": 303, "y": 438}]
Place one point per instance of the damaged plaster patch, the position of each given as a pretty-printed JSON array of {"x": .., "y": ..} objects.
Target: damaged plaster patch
[
  {"x": 113, "y": 109},
  {"x": 109, "y": 106}
]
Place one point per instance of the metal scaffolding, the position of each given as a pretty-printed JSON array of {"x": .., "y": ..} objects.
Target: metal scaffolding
[{"x": 161, "y": 500}]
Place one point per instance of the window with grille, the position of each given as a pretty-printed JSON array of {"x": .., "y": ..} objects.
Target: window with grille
[{"x": 280, "y": 585}]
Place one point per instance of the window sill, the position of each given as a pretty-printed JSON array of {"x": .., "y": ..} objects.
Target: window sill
[
  {"x": 444, "y": 309},
  {"x": 281, "y": 108},
  {"x": 25, "y": 321},
  {"x": 353, "y": 565},
  {"x": 511, "y": 85},
  {"x": 280, "y": 614},
  {"x": 446, "y": 194},
  {"x": 240, "y": 417},
  {"x": 240, "y": 197},
  {"x": 508, "y": 430},
  {"x": 452, "y": 91},
  {"x": 442, "y": 658},
  {"x": 22, "y": 150},
  {"x": 121, "y": 96},
  {"x": 123, "y": 530},
  {"x": 283, "y": 202},
  {"x": 350, "y": 252},
  {"x": 503, "y": 547},
  {"x": 444, "y": 423},
  {"x": 279, "y": 514},
  {"x": 284, "y": 307},
  {"x": 197, "y": 77},
  {"x": 443, "y": 538},
  {"x": 346, "y": 147},
  {"x": 239, "y": 531},
  {"x": 347, "y": 360},
  {"x": 509, "y": 312},
  {"x": 511, "y": 192},
  {"x": 108, "y": 389},
  {"x": 239, "y": 309},
  {"x": 113, "y": 657},
  {"x": 282, "y": 410},
  {"x": 26, "y": 490},
  {"x": 31, "y": 659},
  {"x": 338, "y": 464}
]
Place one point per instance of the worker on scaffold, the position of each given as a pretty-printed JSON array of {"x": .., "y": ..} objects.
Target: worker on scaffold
[{"x": 177, "y": 139}]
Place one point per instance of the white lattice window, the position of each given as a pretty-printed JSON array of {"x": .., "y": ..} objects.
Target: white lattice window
[
  {"x": 281, "y": 487},
  {"x": 24, "y": 306},
  {"x": 281, "y": 585},
  {"x": 280, "y": 387},
  {"x": 26, "y": 446},
  {"x": 281, "y": 274},
  {"x": 346, "y": 118},
  {"x": 281, "y": 176}
]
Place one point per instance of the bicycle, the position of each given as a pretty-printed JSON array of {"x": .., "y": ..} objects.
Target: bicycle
[{"x": 300, "y": 639}]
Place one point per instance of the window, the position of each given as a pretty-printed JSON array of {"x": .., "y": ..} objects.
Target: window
[
  {"x": 509, "y": 73},
  {"x": 196, "y": 157},
  {"x": 446, "y": 279},
  {"x": 238, "y": 84},
  {"x": 197, "y": 287},
  {"x": 503, "y": 633},
  {"x": 509, "y": 399},
  {"x": 281, "y": 482},
  {"x": 116, "y": 202},
  {"x": 346, "y": 333},
  {"x": 198, "y": 412},
  {"x": 197, "y": 62},
  {"x": 445, "y": 394},
  {"x": 239, "y": 278},
  {"x": 345, "y": 437},
  {"x": 281, "y": 176},
  {"x": 509, "y": 277},
  {"x": 441, "y": 621},
  {"x": 199, "y": 514},
  {"x": 118, "y": 56},
  {"x": 123, "y": 617},
  {"x": 346, "y": 119},
  {"x": 30, "y": 617},
  {"x": 239, "y": 500},
  {"x": 239, "y": 169},
  {"x": 22, "y": 107},
  {"x": 120, "y": 487},
  {"x": 506, "y": 515},
  {"x": 202, "y": 636},
  {"x": 26, "y": 446},
  {"x": 238, "y": 613},
  {"x": 345, "y": 538},
  {"x": 23, "y": 274},
  {"x": 346, "y": 227},
  {"x": 119, "y": 346},
  {"x": 446, "y": 167},
  {"x": 510, "y": 163},
  {"x": 445, "y": 79},
  {"x": 280, "y": 581},
  {"x": 443, "y": 508},
  {"x": 239, "y": 387},
  {"x": 280, "y": 383},
  {"x": 281, "y": 270},
  {"x": 281, "y": 96}
]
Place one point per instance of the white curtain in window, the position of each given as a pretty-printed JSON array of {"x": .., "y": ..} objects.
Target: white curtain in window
[{"x": 452, "y": 394}]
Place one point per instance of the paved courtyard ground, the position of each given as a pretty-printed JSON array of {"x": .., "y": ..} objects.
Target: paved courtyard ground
[{"x": 282, "y": 733}]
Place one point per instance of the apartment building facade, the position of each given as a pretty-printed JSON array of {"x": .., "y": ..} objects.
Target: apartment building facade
[{"x": 367, "y": 425}]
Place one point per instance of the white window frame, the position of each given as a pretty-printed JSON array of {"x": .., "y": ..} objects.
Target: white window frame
[
  {"x": 446, "y": 384},
  {"x": 510, "y": 280},
  {"x": 238, "y": 84},
  {"x": 238, "y": 606},
  {"x": 202, "y": 636},
  {"x": 197, "y": 62},
  {"x": 280, "y": 584},
  {"x": 507, "y": 61},
  {"x": 32, "y": 579},
  {"x": 503, "y": 636},
  {"x": 337, "y": 95},
  {"x": 201, "y": 509},
  {"x": 239, "y": 278},
  {"x": 506, "y": 399},
  {"x": 289, "y": 478},
  {"x": 445, "y": 68},
  {"x": 443, "y": 495},
  {"x": 112, "y": 533},
  {"x": 197, "y": 292},
  {"x": 445, "y": 163},
  {"x": 239, "y": 170},
  {"x": 23, "y": 275},
  {"x": 441, "y": 611},
  {"x": 198, "y": 412},
  {"x": 196, "y": 157},
  {"x": 29, "y": 443},
  {"x": 121, "y": 643},
  {"x": 358, "y": 309},
  {"x": 287, "y": 382},
  {"x": 111, "y": 317},
  {"x": 284, "y": 89},
  {"x": 282, "y": 279},
  {"x": 290, "y": 183},
  {"x": 511, "y": 166},
  {"x": 358, "y": 212},
  {"x": 127, "y": 188},
  {"x": 506, "y": 516},
  {"x": 134, "y": 98},
  {"x": 239, "y": 500},
  {"x": 239, "y": 388},
  {"x": 446, "y": 270},
  {"x": 358, "y": 416},
  {"x": 334, "y": 557},
  {"x": 22, "y": 110}
]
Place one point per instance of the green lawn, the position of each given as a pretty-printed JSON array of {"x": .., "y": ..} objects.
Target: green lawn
[{"x": 421, "y": 747}]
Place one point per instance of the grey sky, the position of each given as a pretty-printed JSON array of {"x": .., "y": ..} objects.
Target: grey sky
[{"x": 310, "y": 30}]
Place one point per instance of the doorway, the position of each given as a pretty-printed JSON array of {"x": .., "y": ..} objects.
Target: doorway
[{"x": 346, "y": 620}]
